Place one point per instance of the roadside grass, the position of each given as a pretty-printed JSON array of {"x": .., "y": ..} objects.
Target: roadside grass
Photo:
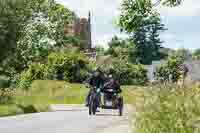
[
  {"x": 8, "y": 110},
  {"x": 168, "y": 109},
  {"x": 45, "y": 92},
  {"x": 41, "y": 95},
  {"x": 134, "y": 95},
  {"x": 53, "y": 92},
  {"x": 159, "y": 109}
]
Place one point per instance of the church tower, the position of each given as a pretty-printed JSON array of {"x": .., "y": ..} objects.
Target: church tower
[
  {"x": 82, "y": 29},
  {"x": 89, "y": 31}
]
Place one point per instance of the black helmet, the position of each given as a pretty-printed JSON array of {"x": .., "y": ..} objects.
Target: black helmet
[
  {"x": 111, "y": 71},
  {"x": 97, "y": 72}
]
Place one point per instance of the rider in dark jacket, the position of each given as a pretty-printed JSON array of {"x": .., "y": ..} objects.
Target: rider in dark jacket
[{"x": 95, "y": 81}]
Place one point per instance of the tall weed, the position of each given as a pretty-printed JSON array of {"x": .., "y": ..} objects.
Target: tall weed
[{"x": 169, "y": 110}]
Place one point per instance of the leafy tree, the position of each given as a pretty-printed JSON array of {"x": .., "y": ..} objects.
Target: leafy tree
[
  {"x": 113, "y": 44},
  {"x": 123, "y": 49},
  {"x": 13, "y": 16},
  {"x": 144, "y": 27},
  {"x": 171, "y": 3},
  {"x": 44, "y": 31},
  {"x": 100, "y": 50},
  {"x": 71, "y": 66},
  {"x": 29, "y": 29},
  {"x": 38, "y": 40},
  {"x": 196, "y": 54},
  {"x": 127, "y": 73},
  {"x": 170, "y": 70},
  {"x": 70, "y": 40},
  {"x": 183, "y": 54}
]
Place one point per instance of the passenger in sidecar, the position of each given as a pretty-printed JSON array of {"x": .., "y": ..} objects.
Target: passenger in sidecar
[
  {"x": 111, "y": 86},
  {"x": 111, "y": 91}
]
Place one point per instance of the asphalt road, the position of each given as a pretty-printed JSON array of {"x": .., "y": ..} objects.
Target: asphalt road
[{"x": 67, "y": 119}]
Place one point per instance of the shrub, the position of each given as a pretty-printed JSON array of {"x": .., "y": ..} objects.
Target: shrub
[
  {"x": 6, "y": 96},
  {"x": 169, "y": 110},
  {"x": 35, "y": 71},
  {"x": 4, "y": 82},
  {"x": 169, "y": 70},
  {"x": 72, "y": 67},
  {"x": 128, "y": 73},
  {"x": 27, "y": 108}
]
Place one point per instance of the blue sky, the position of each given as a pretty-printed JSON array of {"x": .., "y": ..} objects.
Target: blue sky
[{"x": 183, "y": 22}]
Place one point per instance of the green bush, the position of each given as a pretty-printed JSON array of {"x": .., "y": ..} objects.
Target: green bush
[
  {"x": 71, "y": 67},
  {"x": 169, "y": 70},
  {"x": 128, "y": 73},
  {"x": 4, "y": 82},
  {"x": 27, "y": 108},
  {"x": 5, "y": 91},
  {"x": 169, "y": 110},
  {"x": 35, "y": 71}
]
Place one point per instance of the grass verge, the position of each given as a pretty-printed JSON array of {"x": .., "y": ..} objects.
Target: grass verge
[
  {"x": 41, "y": 95},
  {"x": 168, "y": 110}
]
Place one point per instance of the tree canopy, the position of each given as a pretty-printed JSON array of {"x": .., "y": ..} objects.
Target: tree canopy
[
  {"x": 171, "y": 3},
  {"x": 29, "y": 28},
  {"x": 196, "y": 54},
  {"x": 123, "y": 49},
  {"x": 143, "y": 24}
]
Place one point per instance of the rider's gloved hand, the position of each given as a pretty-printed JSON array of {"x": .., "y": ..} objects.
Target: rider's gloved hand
[{"x": 98, "y": 90}]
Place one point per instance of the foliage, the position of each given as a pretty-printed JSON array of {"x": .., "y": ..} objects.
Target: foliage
[
  {"x": 30, "y": 30},
  {"x": 169, "y": 110},
  {"x": 144, "y": 26},
  {"x": 43, "y": 32},
  {"x": 171, "y": 3},
  {"x": 69, "y": 66},
  {"x": 72, "y": 40},
  {"x": 4, "y": 82},
  {"x": 6, "y": 88},
  {"x": 196, "y": 54},
  {"x": 35, "y": 71},
  {"x": 41, "y": 95},
  {"x": 73, "y": 66},
  {"x": 100, "y": 50},
  {"x": 127, "y": 73},
  {"x": 6, "y": 96},
  {"x": 183, "y": 54},
  {"x": 13, "y": 17},
  {"x": 123, "y": 49},
  {"x": 170, "y": 70},
  {"x": 37, "y": 42},
  {"x": 115, "y": 42}
]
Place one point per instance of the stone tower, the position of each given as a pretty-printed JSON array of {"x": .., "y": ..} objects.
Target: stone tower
[
  {"x": 89, "y": 31},
  {"x": 81, "y": 28}
]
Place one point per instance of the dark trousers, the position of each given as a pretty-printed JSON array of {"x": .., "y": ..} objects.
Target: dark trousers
[{"x": 98, "y": 96}]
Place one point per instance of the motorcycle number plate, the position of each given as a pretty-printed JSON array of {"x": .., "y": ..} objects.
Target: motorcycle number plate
[{"x": 109, "y": 103}]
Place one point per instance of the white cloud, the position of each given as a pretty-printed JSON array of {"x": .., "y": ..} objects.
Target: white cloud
[
  {"x": 174, "y": 40},
  {"x": 171, "y": 40},
  {"x": 104, "y": 13},
  {"x": 182, "y": 21}
]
